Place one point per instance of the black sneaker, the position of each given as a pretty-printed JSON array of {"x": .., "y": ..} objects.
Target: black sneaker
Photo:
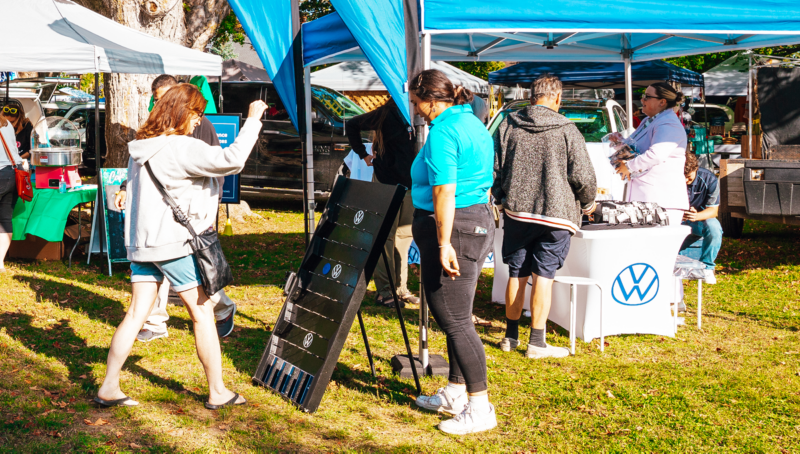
[{"x": 225, "y": 326}]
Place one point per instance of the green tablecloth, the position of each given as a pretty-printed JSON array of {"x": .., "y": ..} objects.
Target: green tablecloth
[{"x": 46, "y": 215}]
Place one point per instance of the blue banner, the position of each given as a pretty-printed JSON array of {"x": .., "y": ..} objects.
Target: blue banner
[{"x": 227, "y": 127}]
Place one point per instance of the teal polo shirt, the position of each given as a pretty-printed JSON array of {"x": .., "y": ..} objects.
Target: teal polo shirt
[{"x": 458, "y": 151}]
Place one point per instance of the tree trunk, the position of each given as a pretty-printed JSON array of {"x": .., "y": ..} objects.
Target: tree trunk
[{"x": 190, "y": 23}]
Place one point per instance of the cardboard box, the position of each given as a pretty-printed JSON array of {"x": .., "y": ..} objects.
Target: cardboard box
[{"x": 37, "y": 249}]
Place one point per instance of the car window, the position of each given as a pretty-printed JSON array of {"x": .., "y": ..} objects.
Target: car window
[
  {"x": 80, "y": 116},
  {"x": 237, "y": 97},
  {"x": 700, "y": 115},
  {"x": 592, "y": 122},
  {"x": 336, "y": 103}
]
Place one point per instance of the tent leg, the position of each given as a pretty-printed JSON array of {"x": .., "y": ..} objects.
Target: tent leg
[
  {"x": 98, "y": 155},
  {"x": 629, "y": 91},
  {"x": 750, "y": 101},
  {"x": 309, "y": 161}
]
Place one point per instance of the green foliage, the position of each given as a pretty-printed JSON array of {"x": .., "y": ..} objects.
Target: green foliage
[
  {"x": 704, "y": 62},
  {"x": 230, "y": 30},
  {"x": 479, "y": 68},
  {"x": 314, "y": 9}
]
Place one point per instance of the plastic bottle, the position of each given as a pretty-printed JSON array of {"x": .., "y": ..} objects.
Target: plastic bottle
[{"x": 62, "y": 185}]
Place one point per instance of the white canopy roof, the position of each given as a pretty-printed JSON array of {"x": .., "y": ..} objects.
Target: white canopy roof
[
  {"x": 729, "y": 78},
  {"x": 360, "y": 76},
  {"x": 59, "y": 35}
]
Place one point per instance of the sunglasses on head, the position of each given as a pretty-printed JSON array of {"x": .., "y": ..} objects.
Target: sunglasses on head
[{"x": 10, "y": 110}]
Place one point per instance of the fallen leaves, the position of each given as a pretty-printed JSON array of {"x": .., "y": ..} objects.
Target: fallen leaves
[
  {"x": 99, "y": 422},
  {"x": 610, "y": 395},
  {"x": 135, "y": 446}
]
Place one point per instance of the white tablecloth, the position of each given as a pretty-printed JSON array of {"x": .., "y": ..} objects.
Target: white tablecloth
[{"x": 634, "y": 267}]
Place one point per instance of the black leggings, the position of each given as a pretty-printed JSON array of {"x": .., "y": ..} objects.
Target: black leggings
[
  {"x": 8, "y": 198},
  {"x": 450, "y": 301}
]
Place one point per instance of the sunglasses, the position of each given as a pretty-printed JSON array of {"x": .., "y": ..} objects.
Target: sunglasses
[
  {"x": 10, "y": 110},
  {"x": 645, "y": 97}
]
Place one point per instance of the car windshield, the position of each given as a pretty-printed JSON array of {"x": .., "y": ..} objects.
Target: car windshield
[
  {"x": 336, "y": 102},
  {"x": 591, "y": 121}
]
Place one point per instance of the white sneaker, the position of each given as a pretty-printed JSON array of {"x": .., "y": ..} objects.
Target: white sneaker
[
  {"x": 146, "y": 335},
  {"x": 547, "y": 352},
  {"x": 443, "y": 402},
  {"x": 470, "y": 421},
  {"x": 710, "y": 278},
  {"x": 508, "y": 344},
  {"x": 681, "y": 306}
]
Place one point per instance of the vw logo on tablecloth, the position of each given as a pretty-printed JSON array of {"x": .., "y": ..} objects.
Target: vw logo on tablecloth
[
  {"x": 635, "y": 285},
  {"x": 337, "y": 270},
  {"x": 358, "y": 217},
  {"x": 308, "y": 340}
]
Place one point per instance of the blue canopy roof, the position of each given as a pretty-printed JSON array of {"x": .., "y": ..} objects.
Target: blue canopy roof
[
  {"x": 596, "y": 74},
  {"x": 578, "y": 30}
]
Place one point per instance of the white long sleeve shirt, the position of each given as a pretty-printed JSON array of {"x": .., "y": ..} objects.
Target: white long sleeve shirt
[{"x": 665, "y": 140}]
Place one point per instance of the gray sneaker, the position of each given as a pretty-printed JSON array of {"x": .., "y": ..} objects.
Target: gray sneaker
[
  {"x": 547, "y": 352},
  {"x": 508, "y": 344},
  {"x": 225, "y": 326},
  {"x": 443, "y": 402},
  {"x": 146, "y": 335}
]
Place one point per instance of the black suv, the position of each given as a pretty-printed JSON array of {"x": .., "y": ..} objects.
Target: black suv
[{"x": 276, "y": 160}]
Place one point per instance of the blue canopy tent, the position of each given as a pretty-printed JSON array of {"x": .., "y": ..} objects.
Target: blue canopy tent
[
  {"x": 597, "y": 74},
  {"x": 578, "y": 31}
]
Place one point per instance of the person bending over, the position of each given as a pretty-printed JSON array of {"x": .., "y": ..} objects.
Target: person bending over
[
  {"x": 393, "y": 153},
  {"x": 158, "y": 246},
  {"x": 224, "y": 308},
  {"x": 454, "y": 230},
  {"x": 706, "y": 238},
  {"x": 543, "y": 180}
]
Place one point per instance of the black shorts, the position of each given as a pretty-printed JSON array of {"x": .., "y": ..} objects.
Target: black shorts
[{"x": 530, "y": 248}]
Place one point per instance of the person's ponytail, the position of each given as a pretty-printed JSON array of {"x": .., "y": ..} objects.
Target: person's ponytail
[{"x": 462, "y": 96}]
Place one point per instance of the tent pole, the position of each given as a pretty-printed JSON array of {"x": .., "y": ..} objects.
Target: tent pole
[
  {"x": 750, "y": 105},
  {"x": 422, "y": 136},
  {"x": 97, "y": 156},
  {"x": 628, "y": 90},
  {"x": 309, "y": 151}
]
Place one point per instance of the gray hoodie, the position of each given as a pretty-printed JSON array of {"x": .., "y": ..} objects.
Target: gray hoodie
[
  {"x": 543, "y": 173},
  {"x": 188, "y": 169}
]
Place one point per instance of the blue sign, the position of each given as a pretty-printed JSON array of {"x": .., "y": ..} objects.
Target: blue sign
[
  {"x": 227, "y": 127},
  {"x": 635, "y": 285}
]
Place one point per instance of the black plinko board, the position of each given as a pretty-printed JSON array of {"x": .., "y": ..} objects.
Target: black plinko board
[{"x": 324, "y": 298}]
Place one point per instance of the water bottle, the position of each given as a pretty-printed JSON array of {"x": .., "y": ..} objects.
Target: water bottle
[{"x": 62, "y": 185}]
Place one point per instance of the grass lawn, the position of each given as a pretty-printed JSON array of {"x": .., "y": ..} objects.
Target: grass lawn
[{"x": 733, "y": 386}]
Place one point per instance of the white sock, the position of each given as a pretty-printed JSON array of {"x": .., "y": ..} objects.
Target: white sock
[
  {"x": 455, "y": 390},
  {"x": 480, "y": 403}
]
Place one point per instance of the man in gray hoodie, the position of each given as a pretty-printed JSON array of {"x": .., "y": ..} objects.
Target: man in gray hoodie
[{"x": 544, "y": 181}]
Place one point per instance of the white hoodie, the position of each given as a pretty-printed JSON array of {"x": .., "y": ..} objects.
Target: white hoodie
[{"x": 188, "y": 169}]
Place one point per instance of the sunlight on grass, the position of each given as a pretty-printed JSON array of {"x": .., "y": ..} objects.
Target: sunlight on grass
[{"x": 731, "y": 386}]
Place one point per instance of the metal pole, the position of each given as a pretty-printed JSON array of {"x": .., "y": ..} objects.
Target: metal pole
[
  {"x": 402, "y": 323},
  {"x": 309, "y": 150},
  {"x": 424, "y": 318},
  {"x": 750, "y": 100},
  {"x": 628, "y": 85},
  {"x": 366, "y": 342},
  {"x": 97, "y": 156}
]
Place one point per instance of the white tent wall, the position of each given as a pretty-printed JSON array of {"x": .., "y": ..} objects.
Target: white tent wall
[
  {"x": 729, "y": 78},
  {"x": 59, "y": 35},
  {"x": 360, "y": 76}
]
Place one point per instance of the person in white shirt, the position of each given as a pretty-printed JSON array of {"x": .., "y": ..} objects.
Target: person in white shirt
[{"x": 8, "y": 184}]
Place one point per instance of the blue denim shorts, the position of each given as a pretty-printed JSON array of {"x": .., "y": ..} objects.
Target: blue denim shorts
[{"x": 182, "y": 273}]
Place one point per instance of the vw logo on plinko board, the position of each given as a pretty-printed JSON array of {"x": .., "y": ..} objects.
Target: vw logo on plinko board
[{"x": 635, "y": 285}]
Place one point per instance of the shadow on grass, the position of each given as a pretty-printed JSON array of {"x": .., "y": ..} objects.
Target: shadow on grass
[{"x": 62, "y": 343}]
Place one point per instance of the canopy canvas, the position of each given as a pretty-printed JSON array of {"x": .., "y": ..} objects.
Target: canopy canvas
[
  {"x": 596, "y": 75},
  {"x": 59, "y": 35},
  {"x": 360, "y": 76},
  {"x": 729, "y": 78}
]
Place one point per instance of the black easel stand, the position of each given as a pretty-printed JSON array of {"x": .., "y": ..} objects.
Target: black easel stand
[{"x": 402, "y": 327}]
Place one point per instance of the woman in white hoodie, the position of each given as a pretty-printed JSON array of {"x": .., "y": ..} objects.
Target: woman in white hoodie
[{"x": 158, "y": 246}]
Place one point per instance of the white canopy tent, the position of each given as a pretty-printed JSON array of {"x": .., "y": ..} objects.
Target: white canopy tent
[
  {"x": 59, "y": 35},
  {"x": 729, "y": 78},
  {"x": 360, "y": 76}
]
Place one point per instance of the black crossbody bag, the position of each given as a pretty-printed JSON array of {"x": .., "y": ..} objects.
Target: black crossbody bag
[{"x": 214, "y": 269}]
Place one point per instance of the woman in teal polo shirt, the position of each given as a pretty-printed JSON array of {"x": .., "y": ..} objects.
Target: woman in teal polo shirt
[{"x": 454, "y": 230}]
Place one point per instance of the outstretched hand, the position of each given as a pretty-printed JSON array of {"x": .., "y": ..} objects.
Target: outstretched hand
[{"x": 257, "y": 109}]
